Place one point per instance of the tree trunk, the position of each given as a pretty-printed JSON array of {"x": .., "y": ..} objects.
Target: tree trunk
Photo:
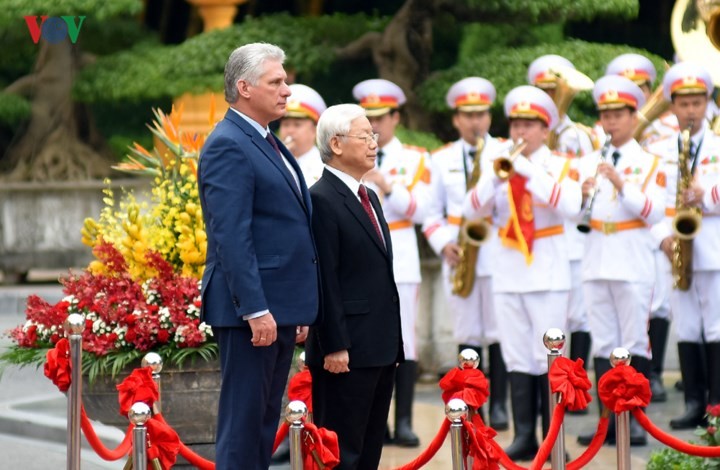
[
  {"x": 52, "y": 147},
  {"x": 401, "y": 54}
]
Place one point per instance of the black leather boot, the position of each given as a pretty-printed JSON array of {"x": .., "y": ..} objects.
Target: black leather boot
[
  {"x": 601, "y": 367},
  {"x": 498, "y": 389},
  {"x": 405, "y": 375},
  {"x": 523, "y": 398},
  {"x": 694, "y": 386},
  {"x": 638, "y": 435},
  {"x": 658, "y": 333},
  {"x": 713, "y": 361},
  {"x": 580, "y": 349}
]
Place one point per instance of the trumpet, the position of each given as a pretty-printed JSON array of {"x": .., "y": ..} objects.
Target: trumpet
[
  {"x": 584, "y": 225},
  {"x": 503, "y": 166}
]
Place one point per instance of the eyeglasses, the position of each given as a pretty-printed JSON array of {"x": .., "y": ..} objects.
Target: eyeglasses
[{"x": 366, "y": 138}]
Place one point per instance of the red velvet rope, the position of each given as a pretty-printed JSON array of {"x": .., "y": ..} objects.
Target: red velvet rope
[
  {"x": 431, "y": 450},
  {"x": 469, "y": 385},
  {"x": 300, "y": 388},
  {"x": 188, "y": 454},
  {"x": 594, "y": 447},
  {"x": 479, "y": 444},
  {"x": 320, "y": 448},
  {"x": 674, "y": 442},
  {"x": 163, "y": 443},
  {"x": 547, "y": 445},
  {"x": 281, "y": 434},
  {"x": 122, "y": 450},
  {"x": 505, "y": 460}
]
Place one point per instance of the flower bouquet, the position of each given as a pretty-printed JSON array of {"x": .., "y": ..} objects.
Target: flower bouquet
[{"x": 142, "y": 291}]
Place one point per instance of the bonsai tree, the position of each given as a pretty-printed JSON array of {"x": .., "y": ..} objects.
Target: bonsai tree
[{"x": 59, "y": 139}]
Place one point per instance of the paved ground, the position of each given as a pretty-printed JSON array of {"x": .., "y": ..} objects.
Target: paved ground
[{"x": 32, "y": 415}]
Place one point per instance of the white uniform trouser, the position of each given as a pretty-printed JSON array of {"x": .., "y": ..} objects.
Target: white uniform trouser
[
  {"x": 475, "y": 323},
  {"x": 523, "y": 319},
  {"x": 663, "y": 283},
  {"x": 618, "y": 312},
  {"x": 697, "y": 311},
  {"x": 577, "y": 314},
  {"x": 408, "y": 293}
]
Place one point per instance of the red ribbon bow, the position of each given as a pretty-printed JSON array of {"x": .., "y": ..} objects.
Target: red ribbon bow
[
  {"x": 624, "y": 389},
  {"x": 570, "y": 379},
  {"x": 325, "y": 444},
  {"x": 470, "y": 385},
  {"x": 163, "y": 443},
  {"x": 57, "y": 365},
  {"x": 485, "y": 455},
  {"x": 300, "y": 388},
  {"x": 138, "y": 386}
]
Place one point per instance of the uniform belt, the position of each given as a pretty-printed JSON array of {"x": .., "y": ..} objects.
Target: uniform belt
[
  {"x": 549, "y": 231},
  {"x": 609, "y": 228},
  {"x": 399, "y": 224},
  {"x": 544, "y": 232},
  {"x": 455, "y": 220}
]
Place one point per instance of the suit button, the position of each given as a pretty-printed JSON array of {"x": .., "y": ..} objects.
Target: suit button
[{"x": 314, "y": 260}]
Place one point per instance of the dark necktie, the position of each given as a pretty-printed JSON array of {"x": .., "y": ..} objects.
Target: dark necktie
[
  {"x": 365, "y": 201},
  {"x": 615, "y": 157},
  {"x": 380, "y": 155},
  {"x": 272, "y": 142}
]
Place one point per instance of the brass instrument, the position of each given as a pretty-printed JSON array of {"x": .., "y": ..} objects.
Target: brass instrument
[
  {"x": 695, "y": 31},
  {"x": 473, "y": 233},
  {"x": 503, "y": 166},
  {"x": 653, "y": 108},
  {"x": 569, "y": 83},
  {"x": 584, "y": 225},
  {"x": 687, "y": 220}
]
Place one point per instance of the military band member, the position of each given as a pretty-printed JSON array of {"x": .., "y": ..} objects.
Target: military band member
[
  {"x": 298, "y": 129},
  {"x": 688, "y": 87},
  {"x": 453, "y": 167},
  {"x": 621, "y": 200},
  {"x": 641, "y": 71},
  {"x": 401, "y": 179},
  {"x": 531, "y": 272},
  {"x": 574, "y": 140}
]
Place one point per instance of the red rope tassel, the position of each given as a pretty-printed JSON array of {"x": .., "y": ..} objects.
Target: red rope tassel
[
  {"x": 674, "y": 442},
  {"x": 431, "y": 450},
  {"x": 122, "y": 450}
]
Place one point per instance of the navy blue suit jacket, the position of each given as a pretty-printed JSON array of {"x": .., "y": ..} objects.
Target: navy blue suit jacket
[{"x": 260, "y": 251}]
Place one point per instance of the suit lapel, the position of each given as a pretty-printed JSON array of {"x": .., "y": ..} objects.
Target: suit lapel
[
  {"x": 375, "y": 202},
  {"x": 269, "y": 153},
  {"x": 353, "y": 205}
]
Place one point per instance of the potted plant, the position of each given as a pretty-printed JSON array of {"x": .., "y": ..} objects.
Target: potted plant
[{"x": 141, "y": 293}]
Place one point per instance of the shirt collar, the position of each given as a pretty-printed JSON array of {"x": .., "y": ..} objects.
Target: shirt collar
[
  {"x": 262, "y": 130},
  {"x": 349, "y": 181}
]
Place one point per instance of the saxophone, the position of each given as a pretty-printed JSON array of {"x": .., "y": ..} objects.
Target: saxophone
[
  {"x": 687, "y": 220},
  {"x": 473, "y": 233}
]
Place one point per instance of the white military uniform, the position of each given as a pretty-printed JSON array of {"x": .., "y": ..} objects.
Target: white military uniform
[
  {"x": 408, "y": 169},
  {"x": 311, "y": 165},
  {"x": 573, "y": 140},
  {"x": 475, "y": 322},
  {"x": 618, "y": 264},
  {"x": 532, "y": 298},
  {"x": 697, "y": 309}
]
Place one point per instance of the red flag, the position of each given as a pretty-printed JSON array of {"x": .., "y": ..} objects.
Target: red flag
[{"x": 519, "y": 233}]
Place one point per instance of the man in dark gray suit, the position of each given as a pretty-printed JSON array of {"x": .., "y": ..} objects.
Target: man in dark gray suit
[
  {"x": 353, "y": 351},
  {"x": 261, "y": 276}
]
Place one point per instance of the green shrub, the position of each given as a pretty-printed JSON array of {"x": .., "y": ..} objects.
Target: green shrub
[
  {"x": 13, "y": 109},
  {"x": 670, "y": 459}
]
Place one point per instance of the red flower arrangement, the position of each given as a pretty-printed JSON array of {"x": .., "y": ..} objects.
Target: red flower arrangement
[{"x": 124, "y": 317}]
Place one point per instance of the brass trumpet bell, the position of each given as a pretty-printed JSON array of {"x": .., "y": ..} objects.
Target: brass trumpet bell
[
  {"x": 503, "y": 166},
  {"x": 695, "y": 30}
]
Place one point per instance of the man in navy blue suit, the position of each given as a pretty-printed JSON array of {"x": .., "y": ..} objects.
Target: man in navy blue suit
[{"x": 260, "y": 286}]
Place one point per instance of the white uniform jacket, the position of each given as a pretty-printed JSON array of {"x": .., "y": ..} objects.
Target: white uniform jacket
[
  {"x": 311, "y": 165},
  {"x": 442, "y": 224},
  {"x": 619, "y": 245},
  {"x": 407, "y": 168},
  {"x": 555, "y": 198},
  {"x": 573, "y": 139},
  {"x": 706, "y": 245}
]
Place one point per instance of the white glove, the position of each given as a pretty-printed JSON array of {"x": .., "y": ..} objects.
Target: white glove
[{"x": 523, "y": 166}]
